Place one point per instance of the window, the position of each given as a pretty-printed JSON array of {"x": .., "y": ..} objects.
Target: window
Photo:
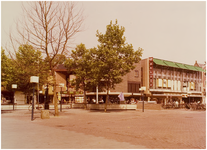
[
  {"x": 136, "y": 73},
  {"x": 133, "y": 87}
]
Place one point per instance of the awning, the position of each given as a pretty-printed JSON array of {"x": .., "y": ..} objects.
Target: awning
[
  {"x": 174, "y": 95},
  {"x": 165, "y": 90},
  {"x": 199, "y": 69},
  {"x": 159, "y": 62},
  {"x": 191, "y": 67},
  {"x": 195, "y": 96},
  {"x": 181, "y": 66},
  {"x": 166, "y": 95},
  {"x": 171, "y": 64},
  {"x": 114, "y": 93},
  {"x": 177, "y": 65}
]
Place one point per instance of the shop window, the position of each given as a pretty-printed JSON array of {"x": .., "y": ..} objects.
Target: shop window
[{"x": 136, "y": 73}]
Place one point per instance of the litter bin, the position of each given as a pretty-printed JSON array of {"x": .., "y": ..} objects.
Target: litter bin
[
  {"x": 45, "y": 114},
  {"x": 47, "y": 106}
]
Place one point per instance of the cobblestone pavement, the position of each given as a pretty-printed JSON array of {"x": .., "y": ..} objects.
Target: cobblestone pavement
[{"x": 78, "y": 128}]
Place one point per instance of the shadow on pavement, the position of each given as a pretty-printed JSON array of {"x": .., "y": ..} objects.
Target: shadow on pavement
[
  {"x": 110, "y": 111},
  {"x": 6, "y": 111}
]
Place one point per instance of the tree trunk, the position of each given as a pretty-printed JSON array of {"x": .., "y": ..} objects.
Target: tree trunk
[
  {"x": 107, "y": 97},
  {"x": 55, "y": 96},
  {"x": 85, "y": 100}
]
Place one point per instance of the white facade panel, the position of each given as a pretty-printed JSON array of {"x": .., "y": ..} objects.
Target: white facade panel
[
  {"x": 159, "y": 82},
  {"x": 168, "y": 83},
  {"x": 192, "y": 85},
  {"x": 175, "y": 85},
  {"x": 179, "y": 85},
  {"x": 172, "y": 85},
  {"x": 164, "y": 83}
]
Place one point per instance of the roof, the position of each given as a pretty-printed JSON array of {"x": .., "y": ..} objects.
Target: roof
[
  {"x": 203, "y": 66},
  {"x": 176, "y": 65},
  {"x": 60, "y": 67}
]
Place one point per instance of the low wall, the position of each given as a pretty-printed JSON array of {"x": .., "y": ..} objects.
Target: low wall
[
  {"x": 149, "y": 106},
  {"x": 92, "y": 106},
  {"x": 112, "y": 106}
]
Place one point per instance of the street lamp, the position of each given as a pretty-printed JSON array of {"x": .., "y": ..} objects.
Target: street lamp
[
  {"x": 33, "y": 80},
  {"x": 14, "y": 86},
  {"x": 61, "y": 86},
  {"x": 40, "y": 92},
  {"x": 46, "y": 101},
  {"x": 189, "y": 96},
  {"x": 142, "y": 89}
]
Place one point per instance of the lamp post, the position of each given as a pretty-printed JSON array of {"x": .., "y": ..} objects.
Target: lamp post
[
  {"x": 33, "y": 80},
  {"x": 97, "y": 94},
  {"x": 46, "y": 102},
  {"x": 142, "y": 89},
  {"x": 40, "y": 92},
  {"x": 189, "y": 96},
  {"x": 61, "y": 85},
  {"x": 14, "y": 86}
]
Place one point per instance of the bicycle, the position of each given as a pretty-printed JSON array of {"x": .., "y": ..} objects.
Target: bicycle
[{"x": 39, "y": 107}]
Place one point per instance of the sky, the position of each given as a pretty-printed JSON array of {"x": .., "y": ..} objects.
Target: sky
[{"x": 174, "y": 31}]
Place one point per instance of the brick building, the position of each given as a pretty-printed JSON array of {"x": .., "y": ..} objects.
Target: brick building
[
  {"x": 171, "y": 81},
  {"x": 164, "y": 81},
  {"x": 203, "y": 66}
]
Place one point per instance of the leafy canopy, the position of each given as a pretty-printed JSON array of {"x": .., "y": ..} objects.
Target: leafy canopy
[
  {"x": 28, "y": 62},
  {"x": 115, "y": 57},
  {"x": 6, "y": 68},
  {"x": 81, "y": 63}
]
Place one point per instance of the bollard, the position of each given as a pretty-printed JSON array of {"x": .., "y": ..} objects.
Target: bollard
[{"x": 45, "y": 114}]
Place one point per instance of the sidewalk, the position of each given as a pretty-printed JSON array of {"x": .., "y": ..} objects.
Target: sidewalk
[
  {"x": 84, "y": 129},
  {"x": 26, "y": 135}
]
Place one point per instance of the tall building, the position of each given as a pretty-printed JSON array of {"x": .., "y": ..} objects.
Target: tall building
[
  {"x": 203, "y": 66},
  {"x": 171, "y": 81}
]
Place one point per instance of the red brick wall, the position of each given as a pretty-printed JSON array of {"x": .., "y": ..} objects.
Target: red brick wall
[{"x": 60, "y": 78}]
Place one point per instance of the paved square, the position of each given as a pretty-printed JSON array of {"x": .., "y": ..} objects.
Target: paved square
[{"x": 85, "y": 129}]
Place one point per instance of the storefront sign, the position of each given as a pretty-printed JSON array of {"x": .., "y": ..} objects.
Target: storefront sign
[{"x": 151, "y": 71}]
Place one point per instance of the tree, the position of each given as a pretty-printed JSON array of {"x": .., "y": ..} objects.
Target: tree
[
  {"x": 82, "y": 64},
  {"x": 115, "y": 57},
  {"x": 29, "y": 62},
  {"x": 7, "y": 71},
  {"x": 49, "y": 26}
]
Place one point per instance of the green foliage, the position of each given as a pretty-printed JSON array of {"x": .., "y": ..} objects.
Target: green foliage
[
  {"x": 105, "y": 65},
  {"x": 109, "y": 62},
  {"x": 28, "y": 62},
  {"x": 115, "y": 57},
  {"x": 6, "y": 69},
  {"x": 81, "y": 63},
  {"x": 59, "y": 59}
]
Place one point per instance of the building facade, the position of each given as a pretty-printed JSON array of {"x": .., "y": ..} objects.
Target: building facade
[
  {"x": 171, "y": 81},
  {"x": 203, "y": 66},
  {"x": 165, "y": 81}
]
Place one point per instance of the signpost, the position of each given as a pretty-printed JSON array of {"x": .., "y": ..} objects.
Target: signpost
[
  {"x": 14, "y": 86},
  {"x": 142, "y": 89},
  {"x": 33, "y": 80},
  {"x": 61, "y": 86}
]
